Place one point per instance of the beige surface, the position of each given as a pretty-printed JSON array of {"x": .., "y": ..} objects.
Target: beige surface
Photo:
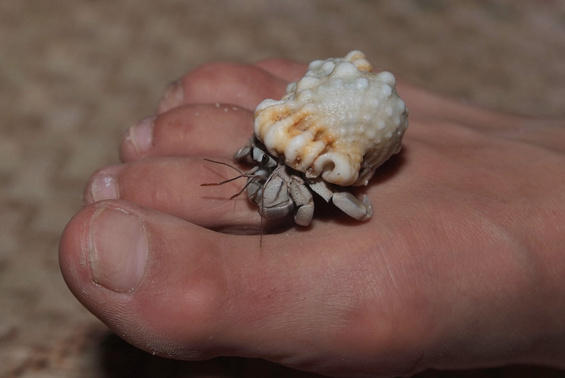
[{"x": 75, "y": 74}]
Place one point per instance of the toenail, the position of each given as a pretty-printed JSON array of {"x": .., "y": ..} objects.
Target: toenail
[
  {"x": 103, "y": 186},
  {"x": 173, "y": 96},
  {"x": 118, "y": 249},
  {"x": 140, "y": 135}
]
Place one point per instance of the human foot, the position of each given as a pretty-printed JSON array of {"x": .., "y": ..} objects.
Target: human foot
[{"x": 461, "y": 265}]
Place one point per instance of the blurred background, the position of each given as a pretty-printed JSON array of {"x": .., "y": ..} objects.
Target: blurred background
[{"x": 74, "y": 75}]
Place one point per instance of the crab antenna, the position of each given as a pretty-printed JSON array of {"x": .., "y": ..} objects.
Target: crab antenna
[
  {"x": 241, "y": 173},
  {"x": 261, "y": 213},
  {"x": 222, "y": 182},
  {"x": 226, "y": 164},
  {"x": 261, "y": 234},
  {"x": 262, "y": 227},
  {"x": 242, "y": 189}
]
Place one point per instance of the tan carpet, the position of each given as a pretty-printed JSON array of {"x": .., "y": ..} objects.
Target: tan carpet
[{"x": 75, "y": 74}]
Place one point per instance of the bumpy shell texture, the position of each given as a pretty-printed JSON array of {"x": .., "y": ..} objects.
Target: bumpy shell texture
[{"x": 340, "y": 121}]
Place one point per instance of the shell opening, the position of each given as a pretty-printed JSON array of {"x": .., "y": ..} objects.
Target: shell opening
[{"x": 335, "y": 168}]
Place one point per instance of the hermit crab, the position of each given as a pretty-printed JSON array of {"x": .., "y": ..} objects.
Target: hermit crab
[{"x": 332, "y": 129}]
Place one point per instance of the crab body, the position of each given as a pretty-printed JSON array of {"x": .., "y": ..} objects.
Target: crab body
[{"x": 280, "y": 191}]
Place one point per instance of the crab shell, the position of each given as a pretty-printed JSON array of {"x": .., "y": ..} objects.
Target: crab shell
[{"x": 340, "y": 121}]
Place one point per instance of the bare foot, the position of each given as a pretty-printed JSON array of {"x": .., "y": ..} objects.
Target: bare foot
[{"x": 461, "y": 266}]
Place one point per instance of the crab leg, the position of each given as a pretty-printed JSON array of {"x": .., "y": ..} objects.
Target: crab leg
[{"x": 345, "y": 201}]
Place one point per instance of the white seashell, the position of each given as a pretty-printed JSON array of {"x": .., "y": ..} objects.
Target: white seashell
[{"x": 340, "y": 121}]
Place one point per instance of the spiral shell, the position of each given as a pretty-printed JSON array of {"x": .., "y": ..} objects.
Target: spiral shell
[{"x": 340, "y": 121}]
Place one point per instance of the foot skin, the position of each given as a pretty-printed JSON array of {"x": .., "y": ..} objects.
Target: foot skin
[{"x": 461, "y": 265}]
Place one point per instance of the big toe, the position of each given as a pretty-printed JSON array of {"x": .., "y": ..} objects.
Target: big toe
[{"x": 155, "y": 280}]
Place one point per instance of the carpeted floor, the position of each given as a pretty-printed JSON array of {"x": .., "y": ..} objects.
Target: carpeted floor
[{"x": 74, "y": 75}]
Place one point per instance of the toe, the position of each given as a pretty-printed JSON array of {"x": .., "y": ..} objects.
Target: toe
[
  {"x": 176, "y": 289},
  {"x": 174, "y": 186},
  {"x": 284, "y": 69},
  {"x": 242, "y": 85},
  {"x": 193, "y": 130},
  {"x": 158, "y": 282}
]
